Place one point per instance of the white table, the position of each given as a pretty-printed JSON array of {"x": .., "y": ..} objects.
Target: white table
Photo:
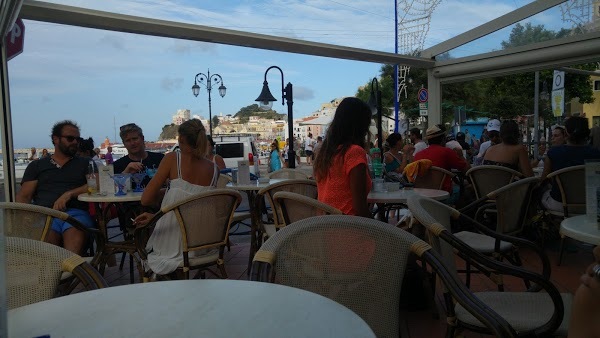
[
  {"x": 579, "y": 228},
  {"x": 101, "y": 203},
  {"x": 402, "y": 195},
  {"x": 254, "y": 185},
  {"x": 250, "y": 189},
  {"x": 192, "y": 308},
  {"x": 99, "y": 200},
  {"x": 390, "y": 198}
]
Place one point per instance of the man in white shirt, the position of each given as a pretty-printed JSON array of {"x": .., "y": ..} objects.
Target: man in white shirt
[
  {"x": 415, "y": 138},
  {"x": 454, "y": 145},
  {"x": 308, "y": 148},
  {"x": 493, "y": 128}
]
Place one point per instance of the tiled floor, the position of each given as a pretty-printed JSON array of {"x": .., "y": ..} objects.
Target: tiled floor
[{"x": 421, "y": 322}]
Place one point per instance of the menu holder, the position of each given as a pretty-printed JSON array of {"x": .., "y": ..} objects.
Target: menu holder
[
  {"x": 243, "y": 172},
  {"x": 107, "y": 185},
  {"x": 592, "y": 188}
]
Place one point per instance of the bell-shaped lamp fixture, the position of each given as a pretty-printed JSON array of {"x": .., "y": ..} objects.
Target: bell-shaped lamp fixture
[
  {"x": 222, "y": 90},
  {"x": 265, "y": 98}
]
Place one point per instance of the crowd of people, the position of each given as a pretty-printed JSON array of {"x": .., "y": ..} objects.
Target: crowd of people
[{"x": 340, "y": 168}]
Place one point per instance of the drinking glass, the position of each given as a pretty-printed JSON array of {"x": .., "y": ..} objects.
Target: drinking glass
[
  {"x": 120, "y": 180},
  {"x": 138, "y": 178}
]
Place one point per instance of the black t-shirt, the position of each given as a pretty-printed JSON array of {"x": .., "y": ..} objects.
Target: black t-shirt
[
  {"x": 52, "y": 181},
  {"x": 150, "y": 162}
]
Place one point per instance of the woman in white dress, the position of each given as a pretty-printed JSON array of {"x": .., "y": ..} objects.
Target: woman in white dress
[{"x": 189, "y": 172}]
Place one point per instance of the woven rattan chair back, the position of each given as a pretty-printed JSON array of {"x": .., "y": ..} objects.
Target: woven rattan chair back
[
  {"x": 204, "y": 218},
  {"x": 357, "y": 262},
  {"x": 28, "y": 220},
  {"x": 223, "y": 180},
  {"x": 512, "y": 205},
  {"x": 303, "y": 187},
  {"x": 571, "y": 183},
  {"x": 428, "y": 211},
  {"x": 34, "y": 269},
  {"x": 289, "y": 173},
  {"x": 487, "y": 178},
  {"x": 433, "y": 179},
  {"x": 294, "y": 207}
]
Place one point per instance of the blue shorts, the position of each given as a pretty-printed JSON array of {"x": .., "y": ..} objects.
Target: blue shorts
[{"x": 82, "y": 216}]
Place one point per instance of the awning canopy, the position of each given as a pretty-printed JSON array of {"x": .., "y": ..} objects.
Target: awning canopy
[{"x": 319, "y": 121}]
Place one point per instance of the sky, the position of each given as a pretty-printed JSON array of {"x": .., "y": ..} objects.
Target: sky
[{"x": 103, "y": 79}]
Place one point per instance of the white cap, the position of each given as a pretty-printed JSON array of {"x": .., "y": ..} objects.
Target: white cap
[{"x": 493, "y": 125}]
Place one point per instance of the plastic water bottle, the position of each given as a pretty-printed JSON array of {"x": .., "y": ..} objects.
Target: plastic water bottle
[{"x": 376, "y": 162}]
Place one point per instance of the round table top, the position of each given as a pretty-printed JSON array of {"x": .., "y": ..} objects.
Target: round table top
[
  {"x": 581, "y": 228},
  {"x": 254, "y": 185},
  {"x": 98, "y": 198},
  {"x": 192, "y": 308},
  {"x": 402, "y": 195}
]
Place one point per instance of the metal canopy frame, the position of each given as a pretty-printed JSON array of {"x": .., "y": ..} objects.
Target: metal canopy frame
[{"x": 83, "y": 17}]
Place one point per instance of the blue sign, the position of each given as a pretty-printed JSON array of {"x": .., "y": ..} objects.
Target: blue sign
[{"x": 423, "y": 95}]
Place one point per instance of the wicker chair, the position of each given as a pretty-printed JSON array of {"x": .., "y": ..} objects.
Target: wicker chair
[
  {"x": 294, "y": 207},
  {"x": 571, "y": 184},
  {"x": 487, "y": 178},
  {"x": 530, "y": 313},
  {"x": 262, "y": 230},
  {"x": 359, "y": 263},
  {"x": 510, "y": 206},
  {"x": 33, "y": 222},
  {"x": 434, "y": 179},
  {"x": 223, "y": 180},
  {"x": 303, "y": 187},
  {"x": 289, "y": 173},
  {"x": 204, "y": 220},
  {"x": 34, "y": 269}
]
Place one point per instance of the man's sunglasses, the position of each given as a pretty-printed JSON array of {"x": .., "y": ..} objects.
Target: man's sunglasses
[{"x": 72, "y": 138}]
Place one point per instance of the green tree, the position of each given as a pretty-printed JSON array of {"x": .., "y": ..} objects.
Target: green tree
[
  {"x": 254, "y": 110},
  {"x": 512, "y": 95},
  {"x": 169, "y": 132},
  {"x": 215, "y": 121}
]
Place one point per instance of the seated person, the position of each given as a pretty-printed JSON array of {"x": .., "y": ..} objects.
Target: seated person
[
  {"x": 586, "y": 303},
  {"x": 190, "y": 173},
  {"x": 509, "y": 153},
  {"x": 212, "y": 155},
  {"x": 56, "y": 181},
  {"x": 467, "y": 149},
  {"x": 492, "y": 136},
  {"x": 441, "y": 156},
  {"x": 575, "y": 152},
  {"x": 341, "y": 168},
  {"x": 393, "y": 160}
]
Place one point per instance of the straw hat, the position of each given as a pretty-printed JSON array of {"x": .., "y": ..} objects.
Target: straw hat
[{"x": 434, "y": 131}]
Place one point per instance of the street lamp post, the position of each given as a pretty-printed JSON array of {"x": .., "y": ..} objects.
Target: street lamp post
[
  {"x": 208, "y": 81},
  {"x": 376, "y": 109},
  {"x": 266, "y": 100}
]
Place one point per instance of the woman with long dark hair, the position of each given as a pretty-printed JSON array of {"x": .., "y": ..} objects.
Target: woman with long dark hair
[{"x": 341, "y": 167}]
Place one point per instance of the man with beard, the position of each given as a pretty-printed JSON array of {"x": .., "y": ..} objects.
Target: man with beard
[{"x": 56, "y": 181}]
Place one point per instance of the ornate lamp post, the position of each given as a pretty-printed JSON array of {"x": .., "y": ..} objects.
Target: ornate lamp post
[
  {"x": 266, "y": 100},
  {"x": 208, "y": 81},
  {"x": 376, "y": 109}
]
